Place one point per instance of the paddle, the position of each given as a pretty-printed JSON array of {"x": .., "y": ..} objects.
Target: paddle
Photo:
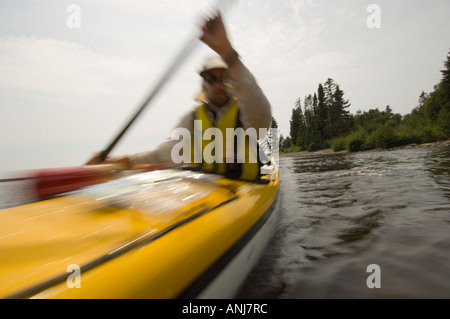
[
  {"x": 184, "y": 53},
  {"x": 55, "y": 181},
  {"x": 50, "y": 182},
  {"x": 186, "y": 50}
]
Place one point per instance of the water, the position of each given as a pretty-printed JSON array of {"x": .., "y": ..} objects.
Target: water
[{"x": 342, "y": 213}]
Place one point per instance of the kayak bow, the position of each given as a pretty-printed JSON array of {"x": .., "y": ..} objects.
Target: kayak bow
[{"x": 161, "y": 234}]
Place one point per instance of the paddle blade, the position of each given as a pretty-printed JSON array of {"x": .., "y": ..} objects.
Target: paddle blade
[{"x": 54, "y": 181}]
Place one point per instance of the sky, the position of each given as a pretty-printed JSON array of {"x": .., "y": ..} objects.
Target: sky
[{"x": 72, "y": 73}]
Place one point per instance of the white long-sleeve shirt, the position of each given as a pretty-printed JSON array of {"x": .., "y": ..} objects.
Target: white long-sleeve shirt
[{"x": 255, "y": 111}]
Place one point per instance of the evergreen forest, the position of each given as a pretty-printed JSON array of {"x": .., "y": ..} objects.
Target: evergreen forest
[{"x": 324, "y": 121}]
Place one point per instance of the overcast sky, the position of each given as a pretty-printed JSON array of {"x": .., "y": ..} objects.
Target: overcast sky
[{"x": 67, "y": 85}]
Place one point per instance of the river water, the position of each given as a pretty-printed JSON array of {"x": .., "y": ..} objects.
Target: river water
[{"x": 341, "y": 213}]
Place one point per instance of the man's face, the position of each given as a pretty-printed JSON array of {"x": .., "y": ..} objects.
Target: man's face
[{"x": 214, "y": 88}]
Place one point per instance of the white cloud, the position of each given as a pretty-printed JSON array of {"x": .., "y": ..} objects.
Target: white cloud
[
  {"x": 299, "y": 7},
  {"x": 50, "y": 66}
]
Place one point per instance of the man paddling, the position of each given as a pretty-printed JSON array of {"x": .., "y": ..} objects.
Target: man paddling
[{"x": 230, "y": 98}]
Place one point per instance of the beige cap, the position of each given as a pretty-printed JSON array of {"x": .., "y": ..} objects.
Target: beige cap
[
  {"x": 214, "y": 62},
  {"x": 210, "y": 63}
]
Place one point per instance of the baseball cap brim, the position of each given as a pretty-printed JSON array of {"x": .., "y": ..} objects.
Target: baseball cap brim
[{"x": 211, "y": 63}]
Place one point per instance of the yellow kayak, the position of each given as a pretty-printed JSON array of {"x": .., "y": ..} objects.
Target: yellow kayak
[{"x": 163, "y": 234}]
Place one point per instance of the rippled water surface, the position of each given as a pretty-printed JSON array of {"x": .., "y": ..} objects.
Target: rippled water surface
[{"x": 342, "y": 213}]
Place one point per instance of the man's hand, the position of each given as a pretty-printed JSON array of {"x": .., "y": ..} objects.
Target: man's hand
[
  {"x": 121, "y": 160},
  {"x": 215, "y": 36}
]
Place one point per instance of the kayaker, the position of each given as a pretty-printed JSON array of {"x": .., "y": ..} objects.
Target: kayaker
[{"x": 228, "y": 88}]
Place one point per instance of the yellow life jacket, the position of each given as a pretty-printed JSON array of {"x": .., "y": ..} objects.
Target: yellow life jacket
[{"x": 230, "y": 158}]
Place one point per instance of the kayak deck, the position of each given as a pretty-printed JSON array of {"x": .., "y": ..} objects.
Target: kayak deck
[{"x": 149, "y": 235}]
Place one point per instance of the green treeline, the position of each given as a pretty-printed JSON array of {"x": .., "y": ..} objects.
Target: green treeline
[{"x": 325, "y": 122}]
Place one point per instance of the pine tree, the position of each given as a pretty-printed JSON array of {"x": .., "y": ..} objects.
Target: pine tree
[
  {"x": 320, "y": 115},
  {"x": 343, "y": 117},
  {"x": 338, "y": 119},
  {"x": 297, "y": 122},
  {"x": 444, "y": 114},
  {"x": 423, "y": 98},
  {"x": 330, "y": 109},
  {"x": 445, "y": 82},
  {"x": 308, "y": 115}
]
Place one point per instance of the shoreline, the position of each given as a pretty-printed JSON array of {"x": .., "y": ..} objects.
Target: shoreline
[{"x": 330, "y": 151}]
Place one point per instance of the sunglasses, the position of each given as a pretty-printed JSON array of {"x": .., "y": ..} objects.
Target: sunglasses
[{"x": 212, "y": 79}]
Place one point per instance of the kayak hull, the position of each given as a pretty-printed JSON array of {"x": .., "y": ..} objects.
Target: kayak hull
[
  {"x": 162, "y": 234},
  {"x": 233, "y": 268}
]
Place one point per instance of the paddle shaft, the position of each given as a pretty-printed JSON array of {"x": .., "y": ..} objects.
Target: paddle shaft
[
  {"x": 184, "y": 53},
  {"x": 220, "y": 6}
]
